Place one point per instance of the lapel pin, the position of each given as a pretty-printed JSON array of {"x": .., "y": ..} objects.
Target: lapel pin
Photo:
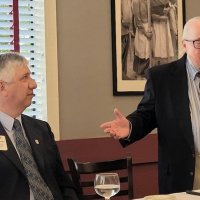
[
  {"x": 3, "y": 144},
  {"x": 37, "y": 142}
]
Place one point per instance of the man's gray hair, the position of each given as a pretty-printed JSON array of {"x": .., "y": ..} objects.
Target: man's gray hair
[{"x": 8, "y": 61}]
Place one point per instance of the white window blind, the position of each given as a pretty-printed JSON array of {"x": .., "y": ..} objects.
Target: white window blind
[{"x": 22, "y": 30}]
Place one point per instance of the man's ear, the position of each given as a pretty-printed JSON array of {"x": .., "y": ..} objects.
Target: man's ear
[
  {"x": 3, "y": 89},
  {"x": 184, "y": 44},
  {"x": 2, "y": 86}
]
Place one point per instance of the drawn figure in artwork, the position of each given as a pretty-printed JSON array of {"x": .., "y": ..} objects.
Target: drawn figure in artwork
[
  {"x": 127, "y": 35},
  {"x": 173, "y": 18},
  {"x": 149, "y": 35},
  {"x": 143, "y": 37},
  {"x": 165, "y": 32}
]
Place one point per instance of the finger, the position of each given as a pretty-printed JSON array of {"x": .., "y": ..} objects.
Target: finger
[
  {"x": 106, "y": 125},
  {"x": 118, "y": 114},
  {"x": 110, "y": 131},
  {"x": 107, "y": 130},
  {"x": 112, "y": 135},
  {"x": 116, "y": 137}
]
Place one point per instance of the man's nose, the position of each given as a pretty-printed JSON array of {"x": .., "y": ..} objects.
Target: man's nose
[{"x": 33, "y": 84}]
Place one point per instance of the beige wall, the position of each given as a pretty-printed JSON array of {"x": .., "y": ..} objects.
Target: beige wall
[
  {"x": 192, "y": 8},
  {"x": 85, "y": 67}
]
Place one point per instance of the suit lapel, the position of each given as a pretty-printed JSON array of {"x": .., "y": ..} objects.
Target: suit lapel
[
  {"x": 11, "y": 153},
  {"x": 35, "y": 140},
  {"x": 34, "y": 136},
  {"x": 180, "y": 98}
]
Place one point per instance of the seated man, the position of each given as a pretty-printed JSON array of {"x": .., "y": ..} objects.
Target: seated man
[{"x": 30, "y": 164}]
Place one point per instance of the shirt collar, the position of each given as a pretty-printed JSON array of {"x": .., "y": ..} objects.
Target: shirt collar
[
  {"x": 191, "y": 68},
  {"x": 7, "y": 121}
]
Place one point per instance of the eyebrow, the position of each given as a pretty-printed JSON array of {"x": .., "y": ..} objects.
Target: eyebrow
[
  {"x": 25, "y": 74},
  {"x": 193, "y": 40}
]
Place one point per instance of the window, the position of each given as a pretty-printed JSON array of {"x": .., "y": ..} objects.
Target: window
[{"x": 22, "y": 30}]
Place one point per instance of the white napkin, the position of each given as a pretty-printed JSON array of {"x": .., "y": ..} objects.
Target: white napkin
[{"x": 160, "y": 197}]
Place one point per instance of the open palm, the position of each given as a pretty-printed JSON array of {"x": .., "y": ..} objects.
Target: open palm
[{"x": 119, "y": 127}]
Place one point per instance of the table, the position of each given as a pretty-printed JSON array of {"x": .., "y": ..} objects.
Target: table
[{"x": 182, "y": 196}]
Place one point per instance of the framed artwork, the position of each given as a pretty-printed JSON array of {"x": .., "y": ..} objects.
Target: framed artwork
[{"x": 145, "y": 33}]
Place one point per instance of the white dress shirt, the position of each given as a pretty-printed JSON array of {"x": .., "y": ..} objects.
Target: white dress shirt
[{"x": 194, "y": 97}]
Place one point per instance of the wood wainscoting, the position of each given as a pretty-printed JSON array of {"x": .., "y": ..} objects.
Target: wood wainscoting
[{"x": 143, "y": 152}]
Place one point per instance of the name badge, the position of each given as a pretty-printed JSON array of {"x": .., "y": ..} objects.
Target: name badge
[{"x": 3, "y": 144}]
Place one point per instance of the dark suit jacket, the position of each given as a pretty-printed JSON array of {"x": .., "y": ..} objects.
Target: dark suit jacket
[
  {"x": 165, "y": 105},
  {"x": 14, "y": 184}
]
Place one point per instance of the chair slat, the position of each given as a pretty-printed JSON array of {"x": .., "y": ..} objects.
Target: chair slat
[{"x": 77, "y": 169}]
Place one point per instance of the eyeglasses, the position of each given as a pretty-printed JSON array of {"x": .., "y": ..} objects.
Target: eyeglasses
[{"x": 196, "y": 43}]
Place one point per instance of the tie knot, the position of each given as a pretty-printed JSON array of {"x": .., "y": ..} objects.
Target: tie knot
[
  {"x": 16, "y": 124},
  {"x": 198, "y": 74}
]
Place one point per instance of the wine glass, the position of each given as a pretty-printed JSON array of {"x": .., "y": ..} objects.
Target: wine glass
[{"x": 107, "y": 184}]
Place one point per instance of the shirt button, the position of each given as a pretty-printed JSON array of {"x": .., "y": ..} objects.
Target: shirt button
[{"x": 191, "y": 173}]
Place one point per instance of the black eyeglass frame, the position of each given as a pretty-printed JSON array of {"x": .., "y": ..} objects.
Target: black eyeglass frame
[{"x": 193, "y": 41}]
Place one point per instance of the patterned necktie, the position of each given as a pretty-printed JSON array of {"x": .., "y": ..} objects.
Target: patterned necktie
[
  {"x": 198, "y": 75},
  {"x": 38, "y": 186}
]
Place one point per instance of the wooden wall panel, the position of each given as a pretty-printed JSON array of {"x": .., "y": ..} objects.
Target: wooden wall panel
[{"x": 143, "y": 152}]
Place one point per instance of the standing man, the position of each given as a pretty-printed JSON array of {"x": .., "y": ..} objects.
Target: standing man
[
  {"x": 30, "y": 165},
  {"x": 171, "y": 103}
]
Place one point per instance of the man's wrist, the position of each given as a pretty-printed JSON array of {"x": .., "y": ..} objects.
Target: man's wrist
[{"x": 130, "y": 130}]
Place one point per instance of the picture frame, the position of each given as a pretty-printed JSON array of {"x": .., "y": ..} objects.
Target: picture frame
[{"x": 129, "y": 64}]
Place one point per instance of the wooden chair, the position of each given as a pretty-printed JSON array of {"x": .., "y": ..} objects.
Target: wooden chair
[{"x": 83, "y": 176}]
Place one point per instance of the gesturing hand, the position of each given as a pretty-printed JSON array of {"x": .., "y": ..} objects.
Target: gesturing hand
[{"x": 119, "y": 127}]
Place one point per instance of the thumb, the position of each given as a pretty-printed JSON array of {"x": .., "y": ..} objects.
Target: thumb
[{"x": 118, "y": 114}]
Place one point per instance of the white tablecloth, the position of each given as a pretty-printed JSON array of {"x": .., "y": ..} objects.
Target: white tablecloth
[{"x": 182, "y": 196}]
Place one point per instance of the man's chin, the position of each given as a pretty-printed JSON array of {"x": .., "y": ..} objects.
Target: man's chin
[{"x": 27, "y": 104}]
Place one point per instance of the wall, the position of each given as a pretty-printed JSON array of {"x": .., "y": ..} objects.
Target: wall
[
  {"x": 85, "y": 67},
  {"x": 192, "y": 9}
]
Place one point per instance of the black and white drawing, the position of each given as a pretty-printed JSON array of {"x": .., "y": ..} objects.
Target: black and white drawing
[{"x": 148, "y": 32}]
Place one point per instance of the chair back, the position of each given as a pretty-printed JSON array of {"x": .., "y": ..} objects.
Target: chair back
[{"x": 83, "y": 176}]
